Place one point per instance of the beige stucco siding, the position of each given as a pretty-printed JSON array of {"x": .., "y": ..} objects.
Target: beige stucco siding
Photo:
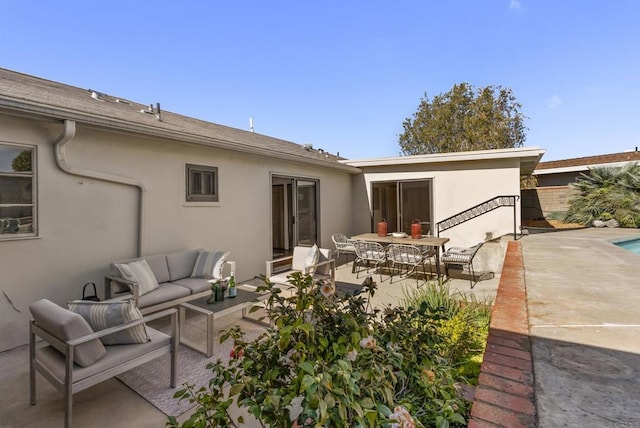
[
  {"x": 457, "y": 186},
  {"x": 85, "y": 223}
]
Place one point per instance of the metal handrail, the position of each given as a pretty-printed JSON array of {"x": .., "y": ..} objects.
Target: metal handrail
[{"x": 478, "y": 210}]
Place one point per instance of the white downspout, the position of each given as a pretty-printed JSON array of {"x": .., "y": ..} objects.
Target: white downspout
[{"x": 61, "y": 160}]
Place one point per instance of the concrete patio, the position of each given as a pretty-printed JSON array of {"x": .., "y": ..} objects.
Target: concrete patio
[{"x": 582, "y": 297}]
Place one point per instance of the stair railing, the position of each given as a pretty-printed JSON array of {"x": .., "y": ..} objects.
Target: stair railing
[{"x": 478, "y": 210}]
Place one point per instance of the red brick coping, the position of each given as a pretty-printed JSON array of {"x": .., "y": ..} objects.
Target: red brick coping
[{"x": 505, "y": 395}]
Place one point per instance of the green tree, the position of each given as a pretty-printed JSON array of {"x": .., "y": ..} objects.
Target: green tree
[
  {"x": 464, "y": 119},
  {"x": 605, "y": 193},
  {"x": 22, "y": 162}
]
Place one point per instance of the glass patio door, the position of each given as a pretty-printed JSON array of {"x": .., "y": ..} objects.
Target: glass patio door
[
  {"x": 294, "y": 216},
  {"x": 306, "y": 230},
  {"x": 402, "y": 202}
]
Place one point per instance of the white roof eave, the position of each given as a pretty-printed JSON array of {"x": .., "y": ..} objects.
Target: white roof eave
[{"x": 526, "y": 154}]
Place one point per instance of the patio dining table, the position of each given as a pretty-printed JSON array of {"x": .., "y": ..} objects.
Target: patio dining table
[{"x": 426, "y": 241}]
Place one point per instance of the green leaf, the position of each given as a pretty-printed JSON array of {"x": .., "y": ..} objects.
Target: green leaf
[
  {"x": 306, "y": 327},
  {"x": 307, "y": 367},
  {"x": 367, "y": 403},
  {"x": 383, "y": 410},
  {"x": 307, "y": 382},
  {"x": 235, "y": 389}
]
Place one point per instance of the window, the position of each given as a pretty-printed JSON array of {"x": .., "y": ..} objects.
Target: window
[
  {"x": 202, "y": 183},
  {"x": 17, "y": 190},
  {"x": 402, "y": 202}
]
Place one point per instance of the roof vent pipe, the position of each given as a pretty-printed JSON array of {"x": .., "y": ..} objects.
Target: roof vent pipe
[
  {"x": 158, "y": 112},
  {"x": 251, "y": 125}
]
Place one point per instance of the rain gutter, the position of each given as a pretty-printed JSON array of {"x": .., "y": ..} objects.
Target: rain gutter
[{"x": 60, "y": 149}]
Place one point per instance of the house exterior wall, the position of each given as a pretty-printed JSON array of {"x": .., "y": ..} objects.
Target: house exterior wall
[
  {"x": 457, "y": 186},
  {"x": 86, "y": 223}
]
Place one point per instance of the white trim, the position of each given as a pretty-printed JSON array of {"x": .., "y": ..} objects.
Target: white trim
[
  {"x": 580, "y": 168},
  {"x": 533, "y": 153}
]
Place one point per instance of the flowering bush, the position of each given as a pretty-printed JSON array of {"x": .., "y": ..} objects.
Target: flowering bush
[{"x": 330, "y": 360}]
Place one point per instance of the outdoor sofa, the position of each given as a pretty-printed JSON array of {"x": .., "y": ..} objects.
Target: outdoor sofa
[{"x": 162, "y": 281}]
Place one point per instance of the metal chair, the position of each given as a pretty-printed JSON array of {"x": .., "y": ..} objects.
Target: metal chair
[
  {"x": 370, "y": 252},
  {"x": 463, "y": 257},
  {"x": 405, "y": 255},
  {"x": 343, "y": 245}
]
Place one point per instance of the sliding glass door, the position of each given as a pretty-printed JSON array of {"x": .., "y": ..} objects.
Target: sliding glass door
[
  {"x": 295, "y": 211},
  {"x": 402, "y": 202}
]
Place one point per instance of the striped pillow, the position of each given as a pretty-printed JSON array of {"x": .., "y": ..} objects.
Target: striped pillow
[
  {"x": 101, "y": 315},
  {"x": 140, "y": 272},
  {"x": 209, "y": 264}
]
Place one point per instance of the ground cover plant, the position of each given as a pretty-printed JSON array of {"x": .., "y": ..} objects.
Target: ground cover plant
[{"x": 329, "y": 359}]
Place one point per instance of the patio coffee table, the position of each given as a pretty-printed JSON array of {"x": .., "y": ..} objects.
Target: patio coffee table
[{"x": 243, "y": 301}]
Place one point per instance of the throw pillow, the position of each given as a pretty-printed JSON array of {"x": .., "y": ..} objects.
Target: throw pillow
[
  {"x": 140, "y": 272},
  {"x": 313, "y": 256},
  {"x": 209, "y": 264},
  {"x": 66, "y": 325},
  {"x": 101, "y": 315}
]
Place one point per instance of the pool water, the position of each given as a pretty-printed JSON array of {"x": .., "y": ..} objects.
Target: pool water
[{"x": 632, "y": 245}]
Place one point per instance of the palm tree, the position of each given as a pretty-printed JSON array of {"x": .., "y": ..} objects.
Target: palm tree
[{"x": 607, "y": 193}]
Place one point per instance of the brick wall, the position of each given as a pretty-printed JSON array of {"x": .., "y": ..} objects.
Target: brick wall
[
  {"x": 538, "y": 202},
  {"x": 505, "y": 395}
]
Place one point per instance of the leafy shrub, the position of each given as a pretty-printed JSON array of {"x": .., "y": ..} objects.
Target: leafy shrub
[
  {"x": 330, "y": 360},
  {"x": 607, "y": 193},
  {"x": 461, "y": 324}
]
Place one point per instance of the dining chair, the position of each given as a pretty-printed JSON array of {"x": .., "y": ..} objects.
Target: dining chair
[
  {"x": 343, "y": 245},
  {"x": 405, "y": 256},
  {"x": 370, "y": 253},
  {"x": 462, "y": 257}
]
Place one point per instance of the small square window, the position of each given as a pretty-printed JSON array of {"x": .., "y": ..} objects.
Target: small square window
[{"x": 202, "y": 183}]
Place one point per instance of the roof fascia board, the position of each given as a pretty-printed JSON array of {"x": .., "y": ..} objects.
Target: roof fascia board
[
  {"x": 580, "y": 168},
  {"x": 57, "y": 113},
  {"x": 525, "y": 154}
]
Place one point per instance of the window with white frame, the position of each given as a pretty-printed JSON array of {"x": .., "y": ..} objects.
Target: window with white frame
[
  {"x": 17, "y": 190},
  {"x": 202, "y": 183}
]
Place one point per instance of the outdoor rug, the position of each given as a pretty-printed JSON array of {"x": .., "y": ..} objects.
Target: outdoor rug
[{"x": 151, "y": 380}]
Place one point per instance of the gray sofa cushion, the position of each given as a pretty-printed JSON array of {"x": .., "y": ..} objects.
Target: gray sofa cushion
[
  {"x": 114, "y": 355},
  {"x": 181, "y": 263},
  {"x": 67, "y": 325},
  {"x": 196, "y": 285},
  {"x": 165, "y": 293},
  {"x": 158, "y": 265},
  {"x": 101, "y": 315}
]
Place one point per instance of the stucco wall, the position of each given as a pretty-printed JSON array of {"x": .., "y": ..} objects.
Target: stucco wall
[
  {"x": 86, "y": 223},
  {"x": 457, "y": 186}
]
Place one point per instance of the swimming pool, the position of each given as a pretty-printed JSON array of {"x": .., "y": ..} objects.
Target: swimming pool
[{"x": 632, "y": 245}]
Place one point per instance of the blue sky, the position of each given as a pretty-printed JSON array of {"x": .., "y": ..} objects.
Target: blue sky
[{"x": 343, "y": 75}]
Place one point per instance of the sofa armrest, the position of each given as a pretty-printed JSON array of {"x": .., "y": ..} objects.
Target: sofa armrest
[
  {"x": 332, "y": 268},
  {"x": 98, "y": 334},
  {"x": 133, "y": 286},
  {"x": 271, "y": 263}
]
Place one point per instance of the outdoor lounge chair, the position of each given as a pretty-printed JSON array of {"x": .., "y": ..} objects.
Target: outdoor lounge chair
[
  {"x": 343, "y": 245},
  {"x": 76, "y": 359},
  {"x": 462, "y": 257},
  {"x": 303, "y": 259}
]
